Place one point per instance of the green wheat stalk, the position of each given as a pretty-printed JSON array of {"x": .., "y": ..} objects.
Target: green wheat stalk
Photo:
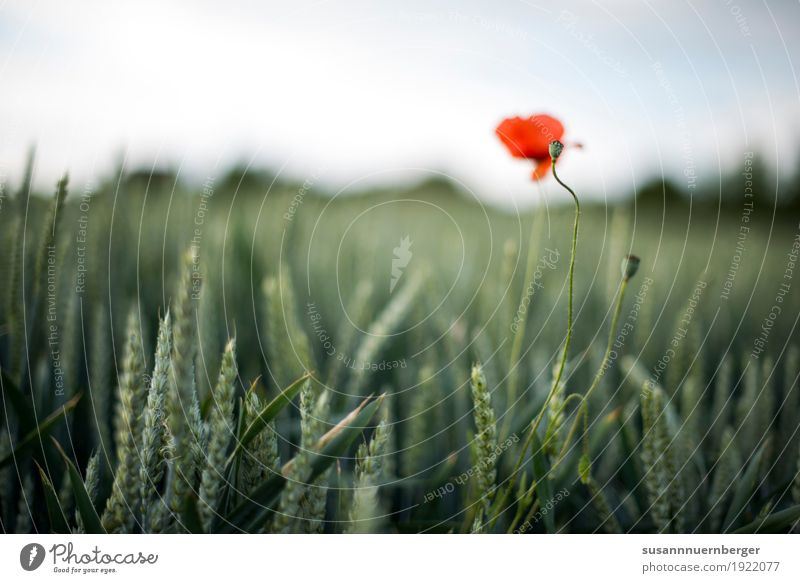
[
  {"x": 92, "y": 484},
  {"x": 288, "y": 349},
  {"x": 519, "y": 336},
  {"x": 182, "y": 407},
  {"x": 608, "y": 521},
  {"x": 16, "y": 296},
  {"x": 485, "y": 444},
  {"x": 119, "y": 513},
  {"x": 728, "y": 467},
  {"x": 260, "y": 459},
  {"x": 423, "y": 400},
  {"x": 359, "y": 312},
  {"x": 314, "y": 499},
  {"x": 220, "y": 432},
  {"x": 365, "y": 509},
  {"x": 721, "y": 404},
  {"x": 385, "y": 324},
  {"x": 35, "y": 334},
  {"x": 155, "y": 438},
  {"x": 312, "y": 411},
  {"x": 655, "y": 441}
]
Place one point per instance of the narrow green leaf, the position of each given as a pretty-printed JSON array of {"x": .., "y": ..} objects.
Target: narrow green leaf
[
  {"x": 21, "y": 403},
  {"x": 544, "y": 491},
  {"x": 230, "y": 493},
  {"x": 631, "y": 469},
  {"x": 268, "y": 413},
  {"x": 40, "y": 431},
  {"x": 252, "y": 512},
  {"x": 744, "y": 489},
  {"x": 190, "y": 517},
  {"x": 776, "y": 522},
  {"x": 91, "y": 521},
  {"x": 58, "y": 524}
]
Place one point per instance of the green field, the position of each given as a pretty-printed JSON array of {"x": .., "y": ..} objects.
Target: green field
[{"x": 392, "y": 350}]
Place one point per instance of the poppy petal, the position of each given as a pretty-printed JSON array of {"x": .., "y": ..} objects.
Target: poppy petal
[
  {"x": 541, "y": 170},
  {"x": 529, "y": 137}
]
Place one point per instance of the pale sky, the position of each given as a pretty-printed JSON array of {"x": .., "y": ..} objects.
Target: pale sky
[{"x": 374, "y": 92}]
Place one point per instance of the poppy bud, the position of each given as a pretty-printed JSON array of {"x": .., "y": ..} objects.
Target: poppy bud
[
  {"x": 555, "y": 148},
  {"x": 630, "y": 265}
]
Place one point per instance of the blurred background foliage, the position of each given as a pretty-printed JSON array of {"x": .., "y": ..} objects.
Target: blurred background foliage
[{"x": 335, "y": 254}]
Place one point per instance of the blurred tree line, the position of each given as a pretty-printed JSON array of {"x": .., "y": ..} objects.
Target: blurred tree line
[{"x": 727, "y": 192}]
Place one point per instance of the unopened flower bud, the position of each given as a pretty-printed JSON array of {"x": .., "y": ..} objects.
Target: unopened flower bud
[
  {"x": 630, "y": 265},
  {"x": 556, "y": 148}
]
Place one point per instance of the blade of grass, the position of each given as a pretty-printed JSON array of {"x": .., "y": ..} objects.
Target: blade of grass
[
  {"x": 268, "y": 413},
  {"x": 40, "y": 431},
  {"x": 91, "y": 521},
  {"x": 776, "y": 522},
  {"x": 744, "y": 489},
  {"x": 21, "y": 404},
  {"x": 541, "y": 471},
  {"x": 190, "y": 517},
  {"x": 330, "y": 446},
  {"x": 232, "y": 478},
  {"x": 58, "y": 524}
]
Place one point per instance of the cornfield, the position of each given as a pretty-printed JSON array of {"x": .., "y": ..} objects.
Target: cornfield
[{"x": 239, "y": 358}]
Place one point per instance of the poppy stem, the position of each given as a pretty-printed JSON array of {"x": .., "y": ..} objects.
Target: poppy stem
[
  {"x": 568, "y": 339},
  {"x": 598, "y": 375},
  {"x": 535, "y": 424}
]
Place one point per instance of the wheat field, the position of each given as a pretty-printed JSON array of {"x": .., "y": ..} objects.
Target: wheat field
[{"x": 247, "y": 357}]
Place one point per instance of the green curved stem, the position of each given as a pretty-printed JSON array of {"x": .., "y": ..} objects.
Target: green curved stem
[
  {"x": 583, "y": 414},
  {"x": 568, "y": 340},
  {"x": 535, "y": 424},
  {"x": 601, "y": 372},
  {"x": 528, "y": 516},
  {"x": 614, "y": 321},
  {"x": 571, "y": 397}
]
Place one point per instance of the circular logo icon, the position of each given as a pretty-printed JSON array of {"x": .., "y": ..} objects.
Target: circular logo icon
[{"x": 31, "y": 556}]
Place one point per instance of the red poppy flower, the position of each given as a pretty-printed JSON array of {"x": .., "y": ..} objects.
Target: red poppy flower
[{"x": 530, "y": 138}]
